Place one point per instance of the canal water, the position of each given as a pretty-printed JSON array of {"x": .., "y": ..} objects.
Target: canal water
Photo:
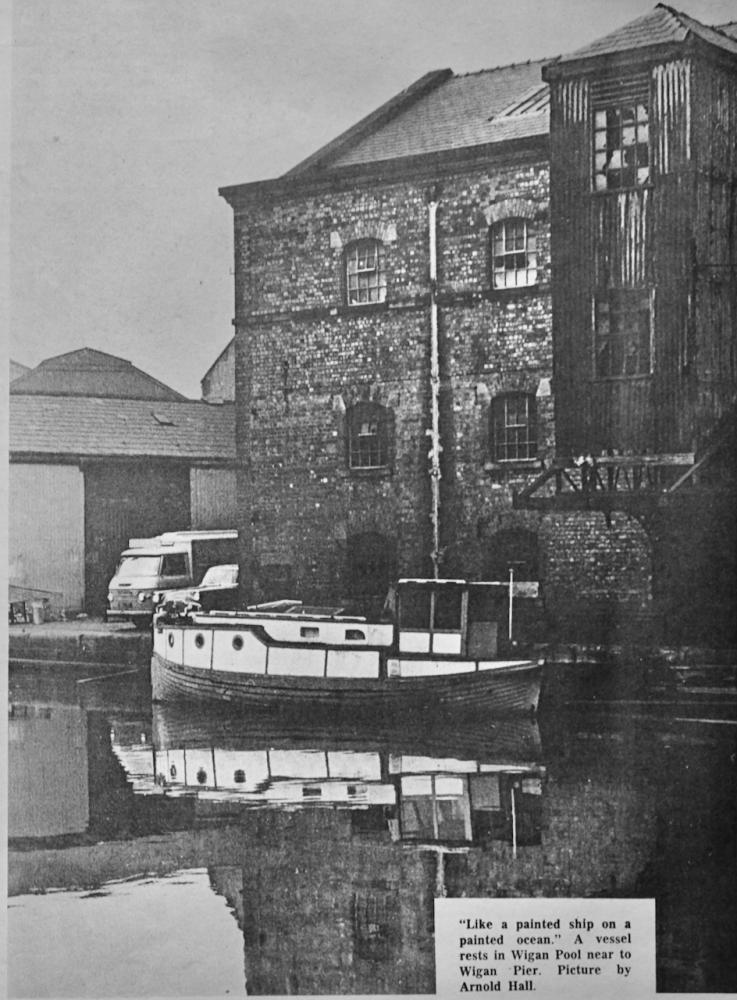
[{"x": 164, "y": 852}]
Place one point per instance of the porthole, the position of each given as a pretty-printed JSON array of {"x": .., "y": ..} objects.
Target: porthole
[
  {"x": 239, "y": 776},
  {"x": 199, "y": 640},
  {"x": 170, "y": 638},
  {"x": 202, "y": 776},
  {"x": 172, "y": 772},
  {"x": 237, "y": 642}
]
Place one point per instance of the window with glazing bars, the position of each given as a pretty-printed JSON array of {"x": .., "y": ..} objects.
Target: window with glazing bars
[
  {"x": 365, "y": 272},
  {"x": 622, "y": 333},
  {"x": 368, "y": 436},
  {"x": 513, "y": 430},
  {"x": 513, "y": 254},
  {"x": 621, "y": 146}
]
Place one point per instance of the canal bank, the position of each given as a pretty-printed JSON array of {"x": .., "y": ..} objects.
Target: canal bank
[
  {"x": 106, "y": 647},
  {"x": 100, "y": 646}
]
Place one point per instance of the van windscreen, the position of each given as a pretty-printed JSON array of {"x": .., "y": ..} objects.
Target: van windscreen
[{"x": 132, "y": 567}]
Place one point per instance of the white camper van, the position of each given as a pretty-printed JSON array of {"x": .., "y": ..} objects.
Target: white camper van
[{"x": 165, "y": 562}]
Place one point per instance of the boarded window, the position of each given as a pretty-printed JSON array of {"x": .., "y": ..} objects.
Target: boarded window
[{"x": 622, "y": 333}]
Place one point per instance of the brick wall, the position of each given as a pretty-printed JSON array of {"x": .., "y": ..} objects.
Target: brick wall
[{"x": 303, "y": 358}]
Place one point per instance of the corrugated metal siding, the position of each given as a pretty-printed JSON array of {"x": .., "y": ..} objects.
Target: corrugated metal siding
[
  {"x": 213, "y": 498},
  {"x": 46, "y": 529}
]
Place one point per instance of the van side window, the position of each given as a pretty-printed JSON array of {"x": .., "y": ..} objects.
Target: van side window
[{"x": 174, "y": 564}]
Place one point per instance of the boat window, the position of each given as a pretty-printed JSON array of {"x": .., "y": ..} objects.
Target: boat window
[
  {"x": 414, "y": 609},
  {"x": 448, "y": 609},
  {"x": 199, "y": 640},
  {"x": 311, "y": 791},
  {"x": 237, "y": 642},
  {"x": 481, "y": 605},
  {"x": 354, "y": 634},
  {"x": 202, "y": 776},
  {"x": 239, "y": 776},
  {"x": 306, "y": 632}
]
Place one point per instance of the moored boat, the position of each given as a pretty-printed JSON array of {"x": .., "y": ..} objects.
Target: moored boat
[{"x": 436, "y": 651}]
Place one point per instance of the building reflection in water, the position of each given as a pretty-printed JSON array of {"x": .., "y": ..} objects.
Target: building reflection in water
[{"x": 331, "y": 847}]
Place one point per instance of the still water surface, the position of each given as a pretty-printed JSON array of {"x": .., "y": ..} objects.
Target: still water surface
[{"x": 164, "y": 852}]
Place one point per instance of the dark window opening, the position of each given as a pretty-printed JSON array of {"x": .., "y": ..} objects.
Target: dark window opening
[
  {"x": 622, "y": 334},
  {"x": 414, "y": 611},
  {"x": 365, "y": 272},
  {"x": 621, "y": 147},
  {"x": 447, "y": 614},
  {"x": 513, "y": 430}
]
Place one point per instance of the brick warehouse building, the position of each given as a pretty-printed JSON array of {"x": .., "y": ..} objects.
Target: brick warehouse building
[{"x": 398, "y": 282}]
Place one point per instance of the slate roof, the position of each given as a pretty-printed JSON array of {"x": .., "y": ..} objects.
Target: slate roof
[
  {"x": 451, "y": 112},
  {"x": 87, "y": 372},
  {"x": 661, "y": 26},
  {"x": 128, "y": 428}
]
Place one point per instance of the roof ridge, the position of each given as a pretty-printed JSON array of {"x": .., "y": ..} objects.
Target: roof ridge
[{"x": 512, "y": 65}]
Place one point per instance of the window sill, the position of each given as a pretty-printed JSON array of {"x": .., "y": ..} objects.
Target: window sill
[
  {"x": 369, "y": 472},
  {"x": 514, "y": 465},
  {"x": 622, "y": 190},
  {"x": 363, "y": 309},
  {"x": 518, "y": 291}
]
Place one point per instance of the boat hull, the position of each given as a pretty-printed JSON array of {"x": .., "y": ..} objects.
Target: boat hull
[{"x": 507, "y": 689}]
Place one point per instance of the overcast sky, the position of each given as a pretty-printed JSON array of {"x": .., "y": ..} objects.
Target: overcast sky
[{"x": 128, "y": 115}]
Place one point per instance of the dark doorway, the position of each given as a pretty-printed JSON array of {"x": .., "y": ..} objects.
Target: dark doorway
[
  {"x": 515, "y": 547},
  {"x": 371, "y": 567},
  {"x": 122, "y": 501}
]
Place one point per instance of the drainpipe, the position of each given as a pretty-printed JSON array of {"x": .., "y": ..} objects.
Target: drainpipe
[{"x": 434, "y": 431}]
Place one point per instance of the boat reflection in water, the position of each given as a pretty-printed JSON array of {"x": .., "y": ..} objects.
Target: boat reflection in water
[{"x": 449, "y": 787}]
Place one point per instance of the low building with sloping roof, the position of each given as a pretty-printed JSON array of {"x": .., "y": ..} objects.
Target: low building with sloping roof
[{"x": 100, "y": 453}]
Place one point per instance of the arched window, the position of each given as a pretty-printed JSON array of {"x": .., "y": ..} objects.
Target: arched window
[
  {"x": 365, "y": 272},
  {"x": 368, "y": 428},
  {"x": 513, "y": 254},
  {"x": 513, "y": 430}
]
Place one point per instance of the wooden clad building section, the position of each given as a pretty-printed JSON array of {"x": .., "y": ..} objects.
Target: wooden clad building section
[{"x": 643, "y": 217}]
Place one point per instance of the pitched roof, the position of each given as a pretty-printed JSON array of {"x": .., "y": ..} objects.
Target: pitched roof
[
  {"x": 730, "y": 28},
  {"x": 16, "y": 369},
  {"x": 443, "y": 111},
  {"x": 87, "y": 372},
  {"x": 132, "y": 428},
  {"x": 661, "y": 26}
]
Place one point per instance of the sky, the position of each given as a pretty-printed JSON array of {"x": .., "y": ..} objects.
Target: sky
[{"x": 128, "y": 115}]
